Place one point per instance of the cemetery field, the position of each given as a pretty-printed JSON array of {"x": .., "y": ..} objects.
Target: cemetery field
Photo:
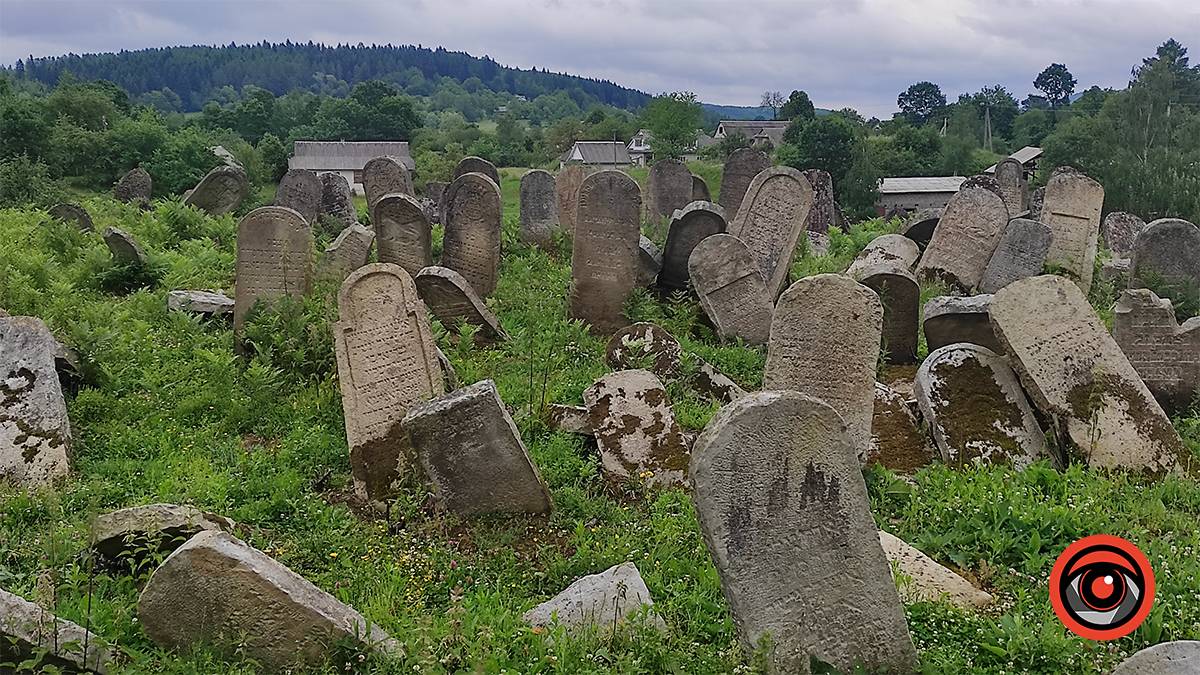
[{"x": 167, "y": 413}]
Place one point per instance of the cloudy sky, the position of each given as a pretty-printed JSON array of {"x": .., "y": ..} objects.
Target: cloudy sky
[{"x": 857, "y": 53}]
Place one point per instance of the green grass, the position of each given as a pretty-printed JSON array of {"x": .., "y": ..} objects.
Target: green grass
[{"x": 170, "y": 415}]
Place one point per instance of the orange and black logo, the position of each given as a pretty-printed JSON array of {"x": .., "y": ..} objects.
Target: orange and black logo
[{"x": 1102, "y": 587}]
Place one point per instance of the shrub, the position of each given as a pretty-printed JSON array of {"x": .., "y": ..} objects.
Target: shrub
[{"x": 27, "y": 182}]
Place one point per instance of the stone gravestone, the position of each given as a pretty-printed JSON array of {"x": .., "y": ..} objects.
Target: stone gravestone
[
  {"x": 741, "y": 167},
  {"x": 74, "y": 214},
  {"x": 890, "y": 250},
  {"x": 897, "y": 441},
  {"x": 471, "y": 244},
  {"x": 1076, "y": 374},
  {"x": 644, "y": 345},
  {"x": 1120, "y": 229},
  {"x": 1165, "y": 355},
  {"x": 386, "y": 364},
  {"x": 402, "y": 233},
  {"x": 384, "y": 176},
  {"x": 974, "y": 406},
  {"x": 1166, "y": 257},
  {"x": 825, "y": 338},
  {"x": 1178, "y": 657},
  {"x": 824, "y": 208},
  {"x": 274, "y": 259},
  {"x": 649, "y": 262},
  {"x": 35, "y": 434},
  {"x": 700, "y": 192},
  {"x": 452, "y": 300},
  {"x": 300, "y": 190},
  {"x": 434, "y": 191},
  {"x": 951, "y": 318},
  {"x": 1036, "y": 199},
  {"x": 597, "y": 602},
  {"x": 1021, "y": 253},
  {"x": 337, "y": 201},
  {"x": 137, "y": 532},
  {"x": 1010, "y": 176},
  {"x": 208, "y": 303},
  {"x": 689, "y": 226},
  {"x": 221, "y": 191},
  {"x": 1072, "y": 211},
  {"x": 604, "y": 258},
  {"x": 29, "y": 632},
  {"x": 785, "y": 514},
  {"x": 967, "y": 234},
  {"x": 668, "y": 188},
  {"x": 982, "y": 180},
  {"x": 539, "y": 209},
  {"x": 348, "y": 252},
  {"x": 898, "y": 293},
  {"x": 731, "y": 289},
  {"x": 135, "y": 186},
  {"x": 472, "y": 453},
  {"x": 635, "y": 429},
  {"x": 475, "y": 164},
  {"x": 920, "y": 226},
  {"x": 123, "y": 247},
  {"x": 770, "y": 220},
  {"x": 566, "y": 188}
]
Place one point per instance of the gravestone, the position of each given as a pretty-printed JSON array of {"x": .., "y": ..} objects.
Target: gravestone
[
  {"x": 1036, "y": 199},
  {"x": 635, "y": 429},
  {"x": 134, "y": 187},
  {"x": 649, "y": 262},
  {"x": 604, "y": 258},
  {"x": 350, "y": 251},
  {"x": 472, "y": 453},
  {"x": 139, "y": 531},
  {"x": 1178, "y": 657},
  {"x": 966, "y": 236},
  {"x": 1072, "y": 211},
  {"x": 949, "y": 319},
  {"x": 211, "y": 303},
  {"x": 770, "y": 220},
  {"x": 923, "y": 580},
  {"x": 644, "y": 345},
  {"x": 784, "y": 511},
  {"x": 731, "y": 289},
  {"x": 337, "y": 202},
  {"x": 700, "y": 192},
  {"x": 1021, "y": 253},
  {"x": 920, "y": 226},
  {"x": 473, "y": 164},
  {"x": 1166, "y": 257},
  {"x": 975, "y": 409},
  {"x": 981, "y": 180},
  {"x": 402, "y": 233},
  {"x": 668, "y": 188},
  {"x": 897, "y": 441},
  {"x": 1165, "y": 355},
  {"x": 452, "y": 300},
  {"x": 471, "y": 243},
  {"x": 566, "y": 187},
  {"x": 384, "y": 176},
  {"x": 35, "y": 434},
  {"x": 1077, "y": 375},
  {"x": 301, "y": 191},
  {"x": 220, "y": 191},
  {"x": 1120, "y": 229},
  {"x": 434, "y": 191},
  {"x": 30, "y": 633},
  {"x": 123, "y": 247},
  {"x": 386, "y": 364},
  {"x": 823, "y": 213},
  {"x": 889, "y": 250},
  {"x": 539, "y": 209},
  {"x": 1014, "y": 190},
  {"x": 689, "y": 226},
  {"x": 274, "y": 259},
  {"x": 740, "y": 169},
  {"x": 74, "y": 214},
  {"x": 900, "y": 296},
  {"x": 597, "y": 602}
]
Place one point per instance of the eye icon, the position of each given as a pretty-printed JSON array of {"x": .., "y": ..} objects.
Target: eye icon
[{"x": 1102, "y": 587}]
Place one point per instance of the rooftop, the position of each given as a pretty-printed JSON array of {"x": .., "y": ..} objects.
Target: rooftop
[
  {"x": 1025, "y": 155},
  {"x": 599, "y": 152},
  {"x": 347, "y": 155},
  {"x": 921, "y": 184}
]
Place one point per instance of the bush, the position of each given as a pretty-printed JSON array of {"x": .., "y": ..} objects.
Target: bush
[
  {"x": 26, "y": 182},
  {"x": 181, "y": 161}
]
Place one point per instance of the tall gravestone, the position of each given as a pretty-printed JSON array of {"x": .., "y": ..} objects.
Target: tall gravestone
[
  {"x": 35, "y": 434},
  {"x": 387, "y": 363},
  {"x": 1120, "y": 229},
  {"x": 1021, "y": 253},
  {"x": 1036, "y": 199},
  {"x": 668, "y": 188},
  {"x": 452, "y": 300},
  {"x": 770, "y": 220},
  {"x": 337, "y": 201},
  {"x": 566, "y": 188},
  {"x": 1014, "y": 190},
  {"x": 136, "y": 186},
  {"x": 274, "y": 259},
  {"x": 1166, "y": 257},
  {"x": 475, "y": 164},
  {"x": 384, "y": 176},
  {"x": 220, "y": 191},
  {"x": 1165, "y": 354},
  {"x": 700, "y": 192},
  {"x": 635, "y": 429},
  {"x": 539, "y": 208},
  {"x": 884, "y": 268},
  {"x": 1071, "y": 208},
  {"x": 966, "y": 236},
  {"x": 823, "y": 213},
  {"x": 402, "y": 233},
  {"x": 471, "y": 244},
  {"x": 300, "y": 190},
  {"x": 785, "y": 514},
  {"x": 731, "y": 289},
  {"x": 689, "y": 226},
  {"x": 604, "y": 258},
  {"x": 741, "y": 167}
]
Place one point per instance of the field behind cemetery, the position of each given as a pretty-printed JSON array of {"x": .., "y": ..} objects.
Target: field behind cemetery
[{"x": 169, "y": 414}]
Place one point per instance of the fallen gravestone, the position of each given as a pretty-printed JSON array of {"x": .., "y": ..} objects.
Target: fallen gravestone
[
  {"x": 823, "y": 213},
  {"x": 920, "y": 226},
  {"x": 1165, "y": 355},
  {"x": 403, "y": 233},
  {"x": 700, "y": 192},
  {"x": 635, "y": 429},
  {"x": 644, "y": 345},
  {"x": 1072, "y": 211},
  {"x": 923, "y": 580},
  {"x": 770, "y": 220},
  {"x": 884, "y": 268},
  {"x": 384, "y": 176},
  {"x": 124, "y": 248},
  {"x": 689, "y": 226},
  {"x": 220, "y": 191},
  {"x": 597, "y": 602},
  {"x": 1178, "y": 657},
  {"x": 74, "y": 214},
  {"x": 604, "y": 258},
  {"x": 471, "y": 244},
  {"x": 134, "y": 187},
  {"x": 475, "y": 164},
  {"x": 572, "y": 419},
  {"x": 897, "y": 441},
  {"x": 35, "y": 434},
  {"x": 950, "y": 319},
  {"x": 274, "y": 259},
  {"x": 1166, "y": 258},
  {"x": 668, "y": 188},
  {"x": 1120, "y": 229},
  {"x": 211, "y": 303},
  {"x": 337, "y": 202},
  {"x": 1014, "y": 190},
  {"x": 539, "y": 209},
  {"x": 452, "y": 300},
  {"x": 566, "y": 188},
  {"x": 1021, "y": 253},
  {"x": 30, "y": 633},
  {"x": 649, "y": 262},
  {"x": 966, "y": 236},
  {"x": 731, "y": 289},
  {"x": 740, "y": 169},
  {"x": 140, "y": 531},
  {"x": 708, "y": 380},
  {"x": 300, "y": 190},
  {"x": 348, "y": 252}
]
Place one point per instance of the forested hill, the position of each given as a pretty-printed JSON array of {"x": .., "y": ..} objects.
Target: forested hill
[{"x": 194, "y": 73}]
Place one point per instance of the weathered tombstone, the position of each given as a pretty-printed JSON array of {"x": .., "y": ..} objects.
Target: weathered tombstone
[
  {"x": 1072, "y": 211},
  {"x": 966, "y": 236},
  {"x": 134, "y": 187},
  {"x": 1166, "y": 257},
  {"x": 139, "y": 531},
  {"x": 731, "y": 289},
  {"x": 337, "y": 201},
  {"x": 923, "y": 580},
  {"x": 74, "y": 214},
  {"x": 740, "y": 169},
  {"x": 220, "y": 191},
  {"x": 1165, "y": 355},
  {"x": 539, "y": 209},
  {"x": 29, "y": 632},
  {"x": 597, "y": 602},
  {"x": 975, "y": 408},
  {"x": 1021, "y": 253},
  {"x": 649, "y": 262},
  {"x": 897, "y": 441},
  {"x": 981, "y": 180},
  {"x": 473, "y": 164},
  {"x": 700, "y": 192},
  {"x": 770, "y": 220},
  {"x": 35, "y": 434},
  {"x": 949, "y": 319},
  {"x": 471, "y": 244},
  {"x": 1178, "y": 657},
  {"x": 920, "y": 226},
  {"x": 635, "y": 429},
  {"x": 402, "y": 233},
  {"x": 300, "y": 190},
  {"x": 384, "y": 176},
  {"x": 566, "y": 186},
  {"x": 825, "y": 338},
  {"x": 472, "y": 453},
  {"x": 708, "y": 380},
  {"x": 434, "y": 191},
  {"x": 217, "y": 591},
  {"x": 1115, "y": 271},
  {"x": 274, "y": 259},
  {"x": 386, "y": 364},
  {"x": 900, "y": 296},
  {"x": 889, "y": 250},
  {"x": 1036, "y": 199},
  {"x": 1014, "y": 190},
  {"x": 824, "y": 209},
  {"x": 689, "y": 226},
  {"x": 211, "y": 303},
  {"x": 668, "y": 188},
  {"x": 644, "y": 345},
  {"x": 123, "y": 247},
  {"x": 348, "y": 252},
  {"x": 1120, "y": 229},
  {"x": 1077, "y": 375},
  {"x": 785, "y": 514},
  {"x": 604, "y": 258},
  {"x": 452, "y": 300}
]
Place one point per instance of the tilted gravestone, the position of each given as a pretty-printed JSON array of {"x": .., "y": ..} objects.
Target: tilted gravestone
[
  {"x": 604, "y": 258},
  {"x": 539, "y": 209},
  {"x": 566, "y": 187},
  {"x": 1021, "y": 253},
  {"x": 274, "y": 259},
  {"x": 74, "y": 214},
  {"x": 732, "y": 292},
  {"x": 123, "y": 247},
  {"x": 741, "y": 167},
  {"x": 1120, "y": 229},
  {"x": 337, "y": 201},
  {"x": 348, "y": 252},
  {"x": 897, "y": 441},
  {"x": 1166, "y": 258},
  {"x": 649, "y": 262},
  {"x": 300, "y": 190},
  {"x": 1072, "y": 211},
  {"x": 473, "y": 164},
  {"x": 452, "y": 300},
  {"x": 471, "y": 244},
  {"x": 920, "y": 226},
  {"x": 472, "y": 453},
  {"x": 222, "y": 190},
  {"x": 823, "y": 213},
  {"x": 644, "y": 345},
  {"x": 387, "y": 363},
  {"x": 668, "y": 188},
  {"x": 1165, "y": 355},
  {"x": 898, "y": 293},
  {"x": 1014, "y": 190},
  {"x": 35, "y": 434},
  {"x": 700, "y": 192},
  {"x": 771, "y": 219},
  {"x": 825, "y": 338},
  {"x": 635, "y": 429},
  {"x": 974, "y": 406},
  {"x": 384, "y": 176},
  {"x": 950, "y": 318},
  {"x": 966, "y": 236},
  {"x": 137, "y": 532},
  {"x": 30, "y": 635},
  {"x": 1077, "y": 375},
  {"x": 785, "y": 514},
  {"x": 889, "y": 250},
  {"x": 689, "y": 226},
  {"x": 402, "y": 233},
  {"x": 135, "y": 186}
]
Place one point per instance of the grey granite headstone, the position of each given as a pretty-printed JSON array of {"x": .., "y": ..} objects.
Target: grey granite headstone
[
  {"x": 1014, "y": 190},
  {"x": 1021, "y": 253},
  {"x": 1166, "y": 258},
  {"x": 384, "y": 176},
  {"x": 274, "y": 259},
  {"x": 649, "y": 262},
  {"x": 731, "y": 289},
  {"x": 566, "y": 187},
  {"x": 471, "y": 244},
  {"x": 1036, "y": 199},
  {"x": 644, "y": 345},
  {"x": 689, "y": 226},
  {"x": 222, "y": 190},
  {"x": 475, "y": 164},
  {"x": 348, "y": 252},
  {"x": 212, "y": 303},
  {"x": 770, "y": 220},
  {"x": 138, "y": 531},
  {"x": 452, "y": 300},
  {"x": 539, "y": 209},
  {"x": 949, "y": 319},
  {"x": 597, "y": 602},
  {"x": 135, "y": 186},
  {"x": 1178, "y": 657},
  {"x": 920, "y": 226},
  {"x": 35, "y": 434},
  {"x": 300, "y": 190},
  {"x": 741, "y": 167},
  {"x": 1165, "y": 355},
  {"x": 900, "y": 296},
  {"x": 337, "y": 201},
  {"x": 1071, "y": 209},
  {"x": 635, "y": 429},
  {"x": 604, "y": 260},
  {"x": 700, "y": 191},
  {"x": 966, "y": 236},
  {"x": 403, "y": 233},
  {"x": 889, "y": 250}
]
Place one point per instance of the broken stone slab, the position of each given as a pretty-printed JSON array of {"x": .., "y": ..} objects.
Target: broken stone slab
[
  {"x": 1021, "y": 253},
  {"x": 74, "y": 214},
  {"x": 125, "y": 250},
  {"x": 348, "y": 252},
  {"x": 897, "y": 442},
  {"x": 141, "y": 530},
  {"x": 454, "y": 302},
  {"x": 1178, "y": 657},
  {"x": 212, "y": 303},
  {"x": 644, "y": 345},
  {"x": 598, "y": 602},
  {"x": 29, "y": 632},
  {"x": 716, "y": 384},
  {"x": 649, "y": 262},
  {"x": 35, "y": 434},
  {"x": 1165, "y": 354},
  {"x": 732, "y": 291},
  {"x": 952, "y": 318},
  {"x": 572, "y": 419},
  {"x": 635, "y": 429},
  {"x": 924, "y": 580}
]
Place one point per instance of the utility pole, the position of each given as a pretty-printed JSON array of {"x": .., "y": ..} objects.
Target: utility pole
[{"x": 987, "y": 128}]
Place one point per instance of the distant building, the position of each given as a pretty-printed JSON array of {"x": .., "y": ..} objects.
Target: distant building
[
  {"x": 1028, "y": 156},
  {"x": 760, "y": 132},
  {"x": 347, "y": 157},
  {"x": 642, "y": 154},
  {"x": 597, "y": 153},
  {"x": 920, "y": 192}
]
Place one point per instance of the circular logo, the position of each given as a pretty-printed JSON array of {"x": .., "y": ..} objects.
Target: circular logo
[{"x": 1102, "y": 587}]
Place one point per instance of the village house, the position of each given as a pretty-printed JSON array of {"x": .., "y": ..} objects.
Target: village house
[
  {"x": 759, "y": 132},
  {"x": 347, "y": 157},
  {"x": 917, "y": 192},
  {"x": 604, "y": 154},
  {"x": 642, "y": 154}
]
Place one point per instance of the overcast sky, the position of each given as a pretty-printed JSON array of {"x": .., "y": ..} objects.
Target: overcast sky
[{"x": 857, "y": 53}]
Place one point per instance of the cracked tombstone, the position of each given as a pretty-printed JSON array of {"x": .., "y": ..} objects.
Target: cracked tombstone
[
  {"x": 668, "y": 188},
  {"x": 348, "y": 252},
  {"x": 1166, "y": 257},
  {"x": 966, "y": 235},
  {"x": 473, "y": 164},
  {"x": 1072, "y": 211},
  {"x": 1165, "y": 355},
  {"x": 605, "y": 256},
  {"x": 74, "y": 214},
  {"x": 635, "y": 429},
  {"x": 771, "y": 219},
  {"x": 731, "y": 289},
  {"x": 539, "y": 209},
  {"x": 452, "y": 300},
  {"x": 689, "y": 226},
  {"x": 740, "y": 169},
  {"x": 1014, "y": 190},
  {"x": 35, "y": 434},
  {"x": 384, "y": 176},
  {"x": 134, "y": 187},
  {"x": 1120, "y": 229},
  {"x": 471, "y": 243},
  {"x": 403, "y": 233},
  {"x": 274, "y": 260},
  {"x": 124, "y": 248},
  {"x": 29, "y": 632},
  {"x": 1021, "y": 253},
  {"x": 897, "y": 441},
  {"x": 951, "y": 318},
  {"x": 337, "y": 202},
  {"x": 220, "y": 191},
  {"x": 301, "y": 191}
]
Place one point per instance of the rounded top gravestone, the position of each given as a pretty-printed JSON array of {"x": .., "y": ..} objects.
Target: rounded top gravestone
[
  {"x": 475, "y": 164},
  {"x": 604, "y": 258},
  {"x": 741, "y": 167},
  {"x": 689, "y": 226},
  {"x": 384, "y": 176},
  {"x": 300, "y": 190},
  {"x": 471, "y": 243},
  {"x": 669, "y": 187},
  {"x": 770, "y": 220}
]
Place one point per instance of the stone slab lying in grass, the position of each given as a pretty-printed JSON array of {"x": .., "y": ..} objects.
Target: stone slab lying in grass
[
  {"x": 35, "y": 434},
  {"x": 926, "y": 580},
  {"x": 151, "y": 527},
  {"x": 27, "y": 631},
  {"x": 213, "y": 303},
  {"x": 1179, "y": 657},
  {"x": 597, "y": 601},
  {"x": 635, "y": 429}
]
